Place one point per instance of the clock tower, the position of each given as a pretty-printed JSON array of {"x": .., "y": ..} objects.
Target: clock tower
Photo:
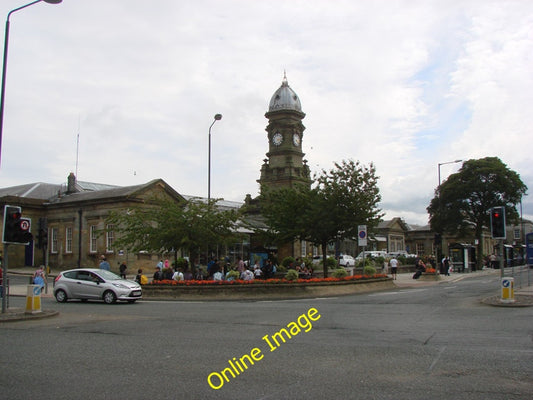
[{"x": 284, "y": 165}]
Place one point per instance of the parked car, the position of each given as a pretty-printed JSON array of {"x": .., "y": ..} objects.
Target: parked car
[
  {"x": 346, "y": 261},
  {"x": 95, "y": 284},
  {"x": 372, "y": 254}
]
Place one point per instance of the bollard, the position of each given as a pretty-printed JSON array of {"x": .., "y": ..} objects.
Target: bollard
[
  {"x": 33, "y": 299},
  {"x": 507, "y": 290}
]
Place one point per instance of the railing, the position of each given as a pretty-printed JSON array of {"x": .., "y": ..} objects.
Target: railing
[{"x": 523, "y": 275}]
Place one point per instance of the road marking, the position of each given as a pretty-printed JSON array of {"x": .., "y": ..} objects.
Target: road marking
[
  {"x": 398, "y": 292},
  {"x": 436, "y": 359}
]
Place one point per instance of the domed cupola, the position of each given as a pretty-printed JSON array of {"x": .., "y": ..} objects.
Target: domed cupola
[
  {"x": 285, "y": 98},
  {"x": 284, "y": 165}
]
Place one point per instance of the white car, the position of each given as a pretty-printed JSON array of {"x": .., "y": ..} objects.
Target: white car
[
  {"x": 95, "y": 284},
  {"x": 346, "y": 261}
]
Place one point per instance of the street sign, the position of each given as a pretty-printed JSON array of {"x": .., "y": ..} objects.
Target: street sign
[{"x": 361, "y": 236}]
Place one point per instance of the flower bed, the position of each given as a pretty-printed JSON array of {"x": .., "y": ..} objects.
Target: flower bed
[
  {"x": 265, "y": 281},
  {"x": 264, "y": 289}
]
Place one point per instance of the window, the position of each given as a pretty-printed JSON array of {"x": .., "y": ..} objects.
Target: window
[
  {"x": 517, "y": 235},
  {"x": 420, "y": 249},
  {"x": 304, "y": 248},
  {"x": 68, "y": 239},
  {"x": 53, "y": 240},
  {"x": 110, "y": 236},
  {"x": 396, "y": 243},
  {"x": 93, "y": 232}
]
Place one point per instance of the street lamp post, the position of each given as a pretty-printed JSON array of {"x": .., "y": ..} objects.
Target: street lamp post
[
  {"x": 4, "y": 65},
  {"x": 439, "y": 244},
  {"x": 218, "y": 117}
]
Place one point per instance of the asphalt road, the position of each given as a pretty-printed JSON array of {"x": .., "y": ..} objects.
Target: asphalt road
[{"x": 436, "y": 342}]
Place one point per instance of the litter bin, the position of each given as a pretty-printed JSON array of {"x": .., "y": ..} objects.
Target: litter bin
[
  {"x": 507, "y": 290},
  {"x": 33, "y": 299}
]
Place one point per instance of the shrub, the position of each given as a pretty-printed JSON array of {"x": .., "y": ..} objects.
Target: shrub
[
  {"x": 368, "y": 262},
  {"x": 287, "y": 261},
  {"x": 369, "y": 270},
  {"x": 339, "y": 273},
  {"x": 291, "y": 275},
  {"x": 331, "y": 262},
  {"x": 281, "y": 269},
  {"x": 180, "y": 262},
  {"x": 308, "y": 261},
  {"x": 232, "y": 275}
]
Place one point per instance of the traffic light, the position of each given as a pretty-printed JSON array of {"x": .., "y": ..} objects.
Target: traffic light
[
  {"x": 42, "y": 236},
  {"x": 16, "y": 228},
  {"x": 497, "y": 222}
]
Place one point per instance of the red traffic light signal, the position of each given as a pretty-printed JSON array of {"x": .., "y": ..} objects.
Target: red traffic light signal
[
  {"x": 16, "y": 229},
  {"x": 497, "y": 222}
]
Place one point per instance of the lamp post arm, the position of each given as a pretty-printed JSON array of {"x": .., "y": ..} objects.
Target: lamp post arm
[{"x": 4, "y": 69}]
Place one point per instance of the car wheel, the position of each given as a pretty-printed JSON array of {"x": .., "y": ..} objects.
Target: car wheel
[
  {"x": 109, "y": 297},
  {"x": 61, "y": 296},
  {"x": 131, "y": 301}
]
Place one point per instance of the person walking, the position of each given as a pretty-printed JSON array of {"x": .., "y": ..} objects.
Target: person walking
[
  {"x": 104, "y": 264},
  {"x": 123, "y": 269},
  {"x": 39, "y": 277},
  {"x": 393, "y": 267}
]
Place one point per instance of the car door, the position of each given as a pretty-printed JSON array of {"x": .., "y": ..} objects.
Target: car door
[{"x": 88, "y": 285}]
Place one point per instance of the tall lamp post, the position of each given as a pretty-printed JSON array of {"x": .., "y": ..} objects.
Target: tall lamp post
[
  {"x": 218, "y": 117},
  {"x": 4, "y": 65},
  {"x": 439, "y": 244}
]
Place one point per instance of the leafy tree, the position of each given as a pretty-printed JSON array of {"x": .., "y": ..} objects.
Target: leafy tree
[
  {"x": 164, "y": 225},
  {"x": 329, "y": 210},
  {"x": 462, "y": 204}
]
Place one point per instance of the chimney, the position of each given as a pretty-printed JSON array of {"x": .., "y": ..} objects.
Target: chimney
[{"x": 71, "y": 183}]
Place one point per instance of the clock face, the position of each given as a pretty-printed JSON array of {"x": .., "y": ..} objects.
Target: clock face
[
  {"x": 277, "y": 138},
  {"x": 296, "y": 139}
]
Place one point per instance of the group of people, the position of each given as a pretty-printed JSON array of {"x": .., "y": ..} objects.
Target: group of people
[{"x": 445, "y": 267}]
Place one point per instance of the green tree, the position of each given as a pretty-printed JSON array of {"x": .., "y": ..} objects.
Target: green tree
[
  {"x": 164, "y": 225},
  {"x": 329, "y": 210},
  {"x": 462, "y": 204}
]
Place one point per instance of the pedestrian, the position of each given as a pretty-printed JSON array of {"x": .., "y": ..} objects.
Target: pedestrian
[
  {"x": 240, "y": 265},
  {"x": 393, "y": 262},
  {"x": 446, "y": 265},
  {"x": 178, "y": 275},
  {"x": 123, "y": 269},
  {"x": 493, "y": 261},
  {"x": 158, "y": 275},
  {"x": 39, "y": 277},
  {"x": 247, "y": 275},
  {"x": 140, "y": 278},
  {"x": 104, "y": 264}
]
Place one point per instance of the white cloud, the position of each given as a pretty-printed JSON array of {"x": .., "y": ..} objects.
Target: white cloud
[{"x": 404, "y": 84}]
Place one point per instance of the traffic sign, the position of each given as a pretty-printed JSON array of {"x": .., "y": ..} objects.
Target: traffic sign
[{"x": 361, "y": 236}]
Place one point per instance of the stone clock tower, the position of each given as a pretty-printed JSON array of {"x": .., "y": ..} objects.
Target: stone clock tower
[{"x": 284, "y": 165}]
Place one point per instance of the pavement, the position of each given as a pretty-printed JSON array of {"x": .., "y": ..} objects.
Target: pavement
[{"x": 523, "y": 296}]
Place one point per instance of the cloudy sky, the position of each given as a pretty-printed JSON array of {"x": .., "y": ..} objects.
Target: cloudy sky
[{"x": 405, "y": 85}]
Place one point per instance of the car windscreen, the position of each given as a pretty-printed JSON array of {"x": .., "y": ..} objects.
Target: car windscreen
[{"x": 108, "y": 276}]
